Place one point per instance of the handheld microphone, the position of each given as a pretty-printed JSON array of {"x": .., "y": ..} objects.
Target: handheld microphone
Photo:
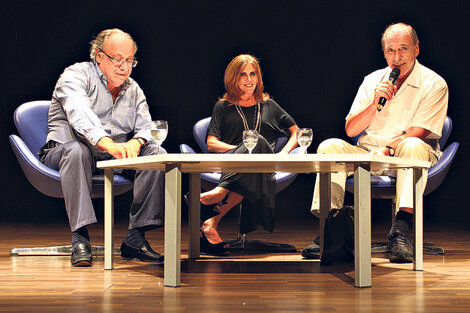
[{"x": 393, "y": 78}]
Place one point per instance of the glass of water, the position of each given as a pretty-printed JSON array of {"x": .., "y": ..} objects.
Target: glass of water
[
  {"x": 304, "y": 138},
  {"x": 159, "y": 132},
  {"x": 250, "y": 139}
]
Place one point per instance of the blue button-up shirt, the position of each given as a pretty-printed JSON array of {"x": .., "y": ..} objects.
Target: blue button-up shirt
[{"x": 81, "y": 100}]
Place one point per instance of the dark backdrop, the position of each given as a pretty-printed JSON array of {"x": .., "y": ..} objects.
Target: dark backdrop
[{"x": 314, "y": 55}]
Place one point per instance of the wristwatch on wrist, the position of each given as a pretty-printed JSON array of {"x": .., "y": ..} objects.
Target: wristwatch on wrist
[
  {"x": 141, "y": 141},
  {"x": 391, "y": 151}
]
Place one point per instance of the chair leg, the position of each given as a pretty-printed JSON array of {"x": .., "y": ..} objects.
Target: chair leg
[
  {"x": 245, "y": 244},
  {"x": 56, "y": 251},
  {"x": 239, "y": 243},
  {"x": 242, "y": 243}
]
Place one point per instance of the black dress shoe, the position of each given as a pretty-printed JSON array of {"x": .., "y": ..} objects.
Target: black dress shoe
[
  {"x": 81, "y": 254},
  {"x": 144, "y": 253},
  {"x": 208, "y": 248}
]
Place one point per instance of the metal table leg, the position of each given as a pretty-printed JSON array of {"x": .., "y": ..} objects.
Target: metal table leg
[
  {"x": 362, "y": 227},
  {"x": 418, "y": 188},
  {"x": 194, "y": 215},
  {"x": 325, "y": 203},
  {"x": 108, "y": 218},
  {"x": 172, "y": 263}
]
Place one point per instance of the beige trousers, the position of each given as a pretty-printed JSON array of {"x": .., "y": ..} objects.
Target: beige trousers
[{"x": 410, "y": 148}]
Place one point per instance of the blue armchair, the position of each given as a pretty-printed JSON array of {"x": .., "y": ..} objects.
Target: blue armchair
[
  {"x": 384, "y": 187},
  {"x": 31, "y": 122}
]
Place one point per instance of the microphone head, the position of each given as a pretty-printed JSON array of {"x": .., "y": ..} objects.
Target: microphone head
[{"x": 394, "y": 75}]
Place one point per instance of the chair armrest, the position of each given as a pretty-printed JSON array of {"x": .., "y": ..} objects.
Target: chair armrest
[
  {"x": 44, "y": 179},
  {"x": 184, "y": 148},
  {"x": 47, "y": 180},
  {"x": 297, "y": 150},
  {"x": 285, "y": 179},
  {"x": 445, "y": 161},
  {"x": 23, "y": 153},
  {"x": 438, "y": 172}
]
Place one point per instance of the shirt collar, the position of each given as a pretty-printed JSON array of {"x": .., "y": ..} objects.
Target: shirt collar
[
  {"x": 99, "y": 72},
  {"x": 415, "y": 76}
]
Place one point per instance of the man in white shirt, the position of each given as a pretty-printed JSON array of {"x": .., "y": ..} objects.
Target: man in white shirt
[{"x": 408, "y": 126}]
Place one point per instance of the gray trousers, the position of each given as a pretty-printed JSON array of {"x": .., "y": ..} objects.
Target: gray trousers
[{"x": 76, "y": 164}]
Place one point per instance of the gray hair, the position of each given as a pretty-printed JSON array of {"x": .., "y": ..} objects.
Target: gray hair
[
  {"x": 412, "y": 32},
  {"x": 101, "y": 39}
]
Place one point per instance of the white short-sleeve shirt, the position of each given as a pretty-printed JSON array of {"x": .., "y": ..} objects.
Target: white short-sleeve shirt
[{"x": 421, "y": 101}]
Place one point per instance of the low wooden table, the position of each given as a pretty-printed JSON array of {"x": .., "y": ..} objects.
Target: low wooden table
[{"x": 324, "y": 164}]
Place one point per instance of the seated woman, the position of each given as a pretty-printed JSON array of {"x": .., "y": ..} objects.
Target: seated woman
[{"x": 243, "y": 107}]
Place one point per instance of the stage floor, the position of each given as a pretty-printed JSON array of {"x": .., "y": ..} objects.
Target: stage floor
[{"x": 243, "y": 281}]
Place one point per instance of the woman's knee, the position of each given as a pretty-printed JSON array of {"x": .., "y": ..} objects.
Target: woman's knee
[{"x": 263, "y": 144}]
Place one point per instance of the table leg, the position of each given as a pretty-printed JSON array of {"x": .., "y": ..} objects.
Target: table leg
[
  {"x": 172, "y": 263},
  {"x": 108, "y": 218},
  {"x": 194, "y": 215},
  {"x": 362, "y": 227},
  {"x": 325, "y": 204},
  {"x": 418, "y": 189}
]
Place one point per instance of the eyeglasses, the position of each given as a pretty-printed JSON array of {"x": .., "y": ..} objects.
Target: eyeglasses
[{"x": 118, "y": 63}]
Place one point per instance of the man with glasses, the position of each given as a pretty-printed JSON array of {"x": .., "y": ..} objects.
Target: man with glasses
[{"x": 97, "y": 113}]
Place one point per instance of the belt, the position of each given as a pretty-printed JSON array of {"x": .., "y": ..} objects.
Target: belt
[{"x": 49, "y": 145}]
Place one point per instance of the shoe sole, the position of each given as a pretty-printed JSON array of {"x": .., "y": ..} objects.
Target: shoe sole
[
  {"x": 400, "y": 259},
  {"x": 81, "y": 263},
  {"x": 142, "y": 260},
  {"x": 313, "y": 256},
  {"x": 216, "y": 254}
]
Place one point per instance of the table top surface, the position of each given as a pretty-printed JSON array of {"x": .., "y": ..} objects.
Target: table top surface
[{"x": 262, "y": 163}]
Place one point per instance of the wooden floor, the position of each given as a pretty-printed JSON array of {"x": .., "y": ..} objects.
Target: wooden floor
[{"x": 241, "y": 282}]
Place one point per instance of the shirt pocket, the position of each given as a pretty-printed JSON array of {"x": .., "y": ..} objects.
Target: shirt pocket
[
  {"x": 404, "y": 122},
  {"x": 124, "y": 117}
]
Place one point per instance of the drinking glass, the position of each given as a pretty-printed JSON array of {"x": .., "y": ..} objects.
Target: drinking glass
[
  {"x": 159, "y": 132},
  {"x": 250, "y": 139},
  {"x": 304, "y": 138}
]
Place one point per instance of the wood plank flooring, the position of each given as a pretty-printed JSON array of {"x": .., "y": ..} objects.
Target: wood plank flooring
[{"x": 242, "y": 282}]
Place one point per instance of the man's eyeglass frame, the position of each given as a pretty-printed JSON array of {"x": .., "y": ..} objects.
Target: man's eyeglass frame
[{"x": 118, "y": 63}]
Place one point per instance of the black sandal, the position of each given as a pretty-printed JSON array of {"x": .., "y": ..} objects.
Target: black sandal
[{"x": 208, "y": 248}]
